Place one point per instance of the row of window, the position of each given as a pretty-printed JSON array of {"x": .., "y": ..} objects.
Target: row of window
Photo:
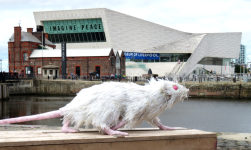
[
  {"x": 78, "y": 37},
  {"x": 29, "y": 70}
]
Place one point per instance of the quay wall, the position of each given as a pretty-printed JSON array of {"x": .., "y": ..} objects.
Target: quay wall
[
  {"x": 71, "y": 87},
  {"x": 50, "y": 87},
  {"x": 220, "y": 90}
]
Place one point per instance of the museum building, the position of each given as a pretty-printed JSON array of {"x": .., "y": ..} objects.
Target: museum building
[{"x": 144, "y": 44}]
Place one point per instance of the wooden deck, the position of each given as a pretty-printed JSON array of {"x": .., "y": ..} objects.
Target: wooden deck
[{"x": 145, "y": 139}]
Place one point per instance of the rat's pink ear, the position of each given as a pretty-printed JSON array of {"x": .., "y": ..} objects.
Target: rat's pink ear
[{"x": 175, "y": 87}]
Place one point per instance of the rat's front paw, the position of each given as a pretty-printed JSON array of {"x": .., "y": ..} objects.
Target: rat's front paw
[
  {"x": 119, "y": 133},
  {"x": 69, "y": 130},
  {"x": 166, "y": 128}
]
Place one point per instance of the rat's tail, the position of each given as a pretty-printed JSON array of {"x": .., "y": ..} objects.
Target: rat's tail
[{"x": 48, "y": 115}]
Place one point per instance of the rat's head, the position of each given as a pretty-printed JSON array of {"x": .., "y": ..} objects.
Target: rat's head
[
  {"x": 178, "y": 92},
  {"x": 172, "y": 91}
]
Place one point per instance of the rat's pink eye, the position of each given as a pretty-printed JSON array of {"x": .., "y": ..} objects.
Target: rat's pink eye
[{"x": 175, "y": 87}]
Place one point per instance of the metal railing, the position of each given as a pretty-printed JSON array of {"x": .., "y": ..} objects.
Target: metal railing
[
  {"x": 176, "y": 68},
  {"x": 173, "y": 77}
]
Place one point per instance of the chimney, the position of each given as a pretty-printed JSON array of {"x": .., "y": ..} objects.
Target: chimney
[
  {"x": 40, "y": 28},
  {"x": 17, "y": 36},
  {"x": 46, "y": 36},
  {"x": 30, "y": 30}
]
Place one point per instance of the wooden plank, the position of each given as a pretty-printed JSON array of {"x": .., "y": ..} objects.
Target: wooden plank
[
  {"x": 181, "y": 144},
  {"x": 52, "y": 137}
]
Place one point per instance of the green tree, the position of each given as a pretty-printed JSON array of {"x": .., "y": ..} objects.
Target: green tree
[{"x": 237, "y": 69}]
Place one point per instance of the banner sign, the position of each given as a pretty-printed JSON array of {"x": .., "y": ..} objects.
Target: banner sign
[
  {"x": 63, "y": 52},
  {"x": 132, "y": 55},
  {"x": 73, "y": 26}
]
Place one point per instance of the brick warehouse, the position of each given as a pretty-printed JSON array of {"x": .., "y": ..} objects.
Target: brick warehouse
[{"x": 26, "y": 49}]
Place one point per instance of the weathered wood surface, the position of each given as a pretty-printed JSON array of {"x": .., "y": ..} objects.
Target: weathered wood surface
[{"x": 89, "y": 139}]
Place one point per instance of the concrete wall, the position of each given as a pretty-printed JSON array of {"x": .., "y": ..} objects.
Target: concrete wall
[{"x": 55, "y": 87}]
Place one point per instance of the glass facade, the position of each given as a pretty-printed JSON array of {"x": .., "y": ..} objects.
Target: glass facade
[
  {"x": 214, "y": 61},
  {"x": 75, "y": 31},
  {"x": 77, "y": 37}
]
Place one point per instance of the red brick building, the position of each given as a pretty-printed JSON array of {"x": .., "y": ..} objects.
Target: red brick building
[
  {"x": 21, "y": 45},
  {"x": 30, "y": 49}
]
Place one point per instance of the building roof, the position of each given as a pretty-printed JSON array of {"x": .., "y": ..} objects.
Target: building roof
[
  {"x": 28, "y": 37},
  {"x": 71, "y": 53},
  {"x": 48, "y": 42},
  {"x": 119, "y": 52},
  {"x": 25, "y": 37}
]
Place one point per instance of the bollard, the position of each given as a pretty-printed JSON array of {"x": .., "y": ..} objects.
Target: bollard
[
  {"x": 5, "y": 92},
  {"x": 1, "y": 92}
]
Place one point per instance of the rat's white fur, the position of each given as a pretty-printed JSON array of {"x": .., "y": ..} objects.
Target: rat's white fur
[{"x": 105, "y": 105}]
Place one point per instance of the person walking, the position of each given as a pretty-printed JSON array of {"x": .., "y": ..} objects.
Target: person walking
[{"x": 119, "y": 78}]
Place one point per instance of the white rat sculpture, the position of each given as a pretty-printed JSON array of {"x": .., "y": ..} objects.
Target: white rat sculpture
[{"x": 112, "y": 105}]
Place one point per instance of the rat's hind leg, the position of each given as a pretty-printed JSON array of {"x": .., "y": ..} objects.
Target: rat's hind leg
[
  {"x": 112, "y": 132},
  {"x": 66, "y": 128},
  {"x": 121, "y": 124},
  {"x": 162, "y": 127}
]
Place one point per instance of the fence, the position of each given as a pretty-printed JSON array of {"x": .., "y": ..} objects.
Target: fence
[
  {"x": 212, "y": 78},
  {"x": 172, "y": 77}
]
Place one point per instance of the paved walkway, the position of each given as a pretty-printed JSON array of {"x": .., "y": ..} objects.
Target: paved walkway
[{"x": 234, "y": 141}]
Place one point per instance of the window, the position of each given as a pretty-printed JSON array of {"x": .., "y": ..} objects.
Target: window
[
  {"x": 45, "y": 72},
  {"x": 24, "y": 56},
  {"x": 78, "y": 37},
  {"x": 112, "y": 60},
  {"x": 39, "y": 70},
  {"x": 51, "y": 72},
  {"x": 27, "y": 70},
  {"x": 164, "y": 59}
]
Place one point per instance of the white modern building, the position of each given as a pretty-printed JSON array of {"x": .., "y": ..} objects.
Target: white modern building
[{"x": 146, "y": 44}]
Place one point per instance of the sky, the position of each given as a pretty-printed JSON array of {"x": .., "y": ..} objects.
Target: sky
[{"x": 195, "y": 16}]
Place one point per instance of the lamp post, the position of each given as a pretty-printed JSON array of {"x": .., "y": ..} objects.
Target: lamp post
[{"x": 29, "y": 67}]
